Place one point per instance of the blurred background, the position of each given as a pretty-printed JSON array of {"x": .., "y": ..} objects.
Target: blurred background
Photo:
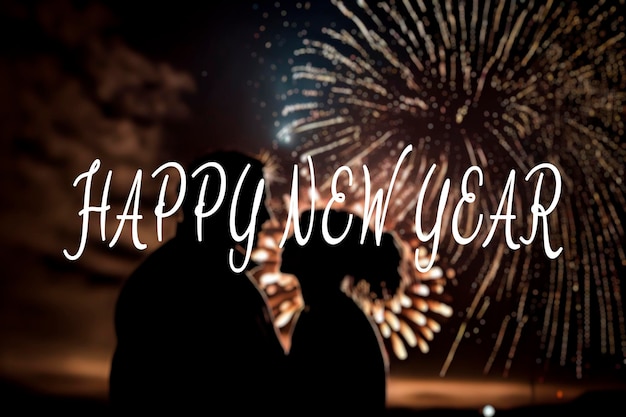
[{"x": 136, "y": 85}]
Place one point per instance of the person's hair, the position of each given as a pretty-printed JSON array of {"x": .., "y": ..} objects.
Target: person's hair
[
  {"x": 233, "y": 163},
  {"x": 377, "y": 264}
]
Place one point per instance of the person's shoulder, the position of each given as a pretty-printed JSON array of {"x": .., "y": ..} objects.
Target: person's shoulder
[
  {"x": 149, "y": 275},
  {"x": 151, "y": 265}
]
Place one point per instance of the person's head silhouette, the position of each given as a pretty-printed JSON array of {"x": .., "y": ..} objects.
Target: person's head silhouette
[
  {"x": 224, "y": 203},
  {"x": 321, "y": 266}
]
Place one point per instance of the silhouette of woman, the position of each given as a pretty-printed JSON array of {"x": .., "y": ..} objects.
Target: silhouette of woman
[{"x": 337, "y": 358}]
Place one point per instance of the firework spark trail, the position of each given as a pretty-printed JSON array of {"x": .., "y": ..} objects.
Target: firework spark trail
[{"x": 498, "y": 84}]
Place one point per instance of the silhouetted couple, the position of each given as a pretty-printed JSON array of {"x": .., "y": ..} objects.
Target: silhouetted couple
[{"x": 192, "y": 335}]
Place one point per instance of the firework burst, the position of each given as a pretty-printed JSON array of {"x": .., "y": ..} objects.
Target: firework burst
[
  {"x": 503, "y": 85},
  {"x": 410, "y": 317}
]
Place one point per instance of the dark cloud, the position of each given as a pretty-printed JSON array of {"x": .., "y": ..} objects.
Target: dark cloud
[
  {"x": 76, "y": 94},
  {"x": 72, "y": 92}
]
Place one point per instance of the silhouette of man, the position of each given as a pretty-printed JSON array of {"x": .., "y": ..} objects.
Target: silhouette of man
[
  {"x": 191, "y": 333},
  {"x": 337, "y": 360}
]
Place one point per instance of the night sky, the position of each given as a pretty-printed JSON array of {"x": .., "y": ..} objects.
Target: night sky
[
  {"x": 139, "y": 84},
  {"x": 213, "y": 43}
]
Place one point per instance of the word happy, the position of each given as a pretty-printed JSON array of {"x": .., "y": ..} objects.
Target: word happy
[{"x": 372, "y": 206}]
